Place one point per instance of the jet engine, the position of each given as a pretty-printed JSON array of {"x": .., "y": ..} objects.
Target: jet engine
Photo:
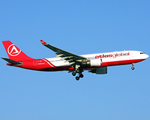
[
  {"x": 99, "y": 70},
  {"x": 95, "y": 62}
]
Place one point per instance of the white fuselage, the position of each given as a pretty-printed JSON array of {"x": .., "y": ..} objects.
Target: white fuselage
[{"x": 118, "y": 56}]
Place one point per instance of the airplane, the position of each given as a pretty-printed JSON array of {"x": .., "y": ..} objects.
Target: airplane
[{"x": 76, "y": 64}]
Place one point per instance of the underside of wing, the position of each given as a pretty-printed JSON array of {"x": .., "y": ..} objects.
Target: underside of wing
[{"x": 69, "y": 57}]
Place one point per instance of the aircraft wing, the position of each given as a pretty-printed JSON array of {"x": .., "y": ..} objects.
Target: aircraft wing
[{"x": 69, "y": 57}]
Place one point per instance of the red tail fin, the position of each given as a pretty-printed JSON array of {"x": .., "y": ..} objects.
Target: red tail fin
[{"x": 14, "y": 52}]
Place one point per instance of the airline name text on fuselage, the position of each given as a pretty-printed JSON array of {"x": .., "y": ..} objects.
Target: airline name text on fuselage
[{"x": 112, "y": 55}]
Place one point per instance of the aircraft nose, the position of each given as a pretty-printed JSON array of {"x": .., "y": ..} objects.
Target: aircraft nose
[{"x": 147, "y": 56}]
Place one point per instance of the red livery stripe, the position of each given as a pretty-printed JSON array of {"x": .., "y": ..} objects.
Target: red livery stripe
[{"x": 48, "y": 62}]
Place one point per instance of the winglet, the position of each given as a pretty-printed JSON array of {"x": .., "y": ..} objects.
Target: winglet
[{"x": 43, "y": 42}]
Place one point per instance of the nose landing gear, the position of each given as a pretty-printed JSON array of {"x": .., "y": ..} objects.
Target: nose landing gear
[{"x": 132, "y": 66}]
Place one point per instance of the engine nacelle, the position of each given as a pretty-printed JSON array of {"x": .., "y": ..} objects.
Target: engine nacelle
[
  {"x": 100, "y": 70},
  {"x": 95, "y": 62}
]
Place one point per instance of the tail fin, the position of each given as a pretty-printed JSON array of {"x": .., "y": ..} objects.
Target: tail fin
[{"x": 14, "y": 52}]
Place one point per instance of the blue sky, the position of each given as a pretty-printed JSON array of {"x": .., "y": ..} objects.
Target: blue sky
[{"x": 80, "y": 27}]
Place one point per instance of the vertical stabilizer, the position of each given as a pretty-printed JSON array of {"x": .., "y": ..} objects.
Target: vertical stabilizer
[{"x": 14, "y": 52}]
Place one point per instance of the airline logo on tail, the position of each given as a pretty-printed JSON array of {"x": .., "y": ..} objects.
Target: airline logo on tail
[{"x": 13, "y": 50}]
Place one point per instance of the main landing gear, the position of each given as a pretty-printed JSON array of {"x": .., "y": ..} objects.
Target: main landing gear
[
  {"x": 80, "y": 76},
  {"x": 77, "y": 77},
  {"x": 132, "y": 66},
  {"x": 77, "y": 70}
]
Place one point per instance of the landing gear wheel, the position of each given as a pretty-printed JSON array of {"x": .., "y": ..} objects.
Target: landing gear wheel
[
  {"x": 81, "y": 75},
  {"x": 73, "y": 73},
  {"x": 77, "y": 78},
  {"x": 132, "y": 68}
]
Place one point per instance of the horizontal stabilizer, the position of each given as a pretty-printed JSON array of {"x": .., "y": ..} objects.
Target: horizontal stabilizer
[{"x": 12, "y": 61}]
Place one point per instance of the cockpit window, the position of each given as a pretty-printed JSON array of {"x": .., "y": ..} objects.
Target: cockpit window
[{"x": 141, "y": 53}]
